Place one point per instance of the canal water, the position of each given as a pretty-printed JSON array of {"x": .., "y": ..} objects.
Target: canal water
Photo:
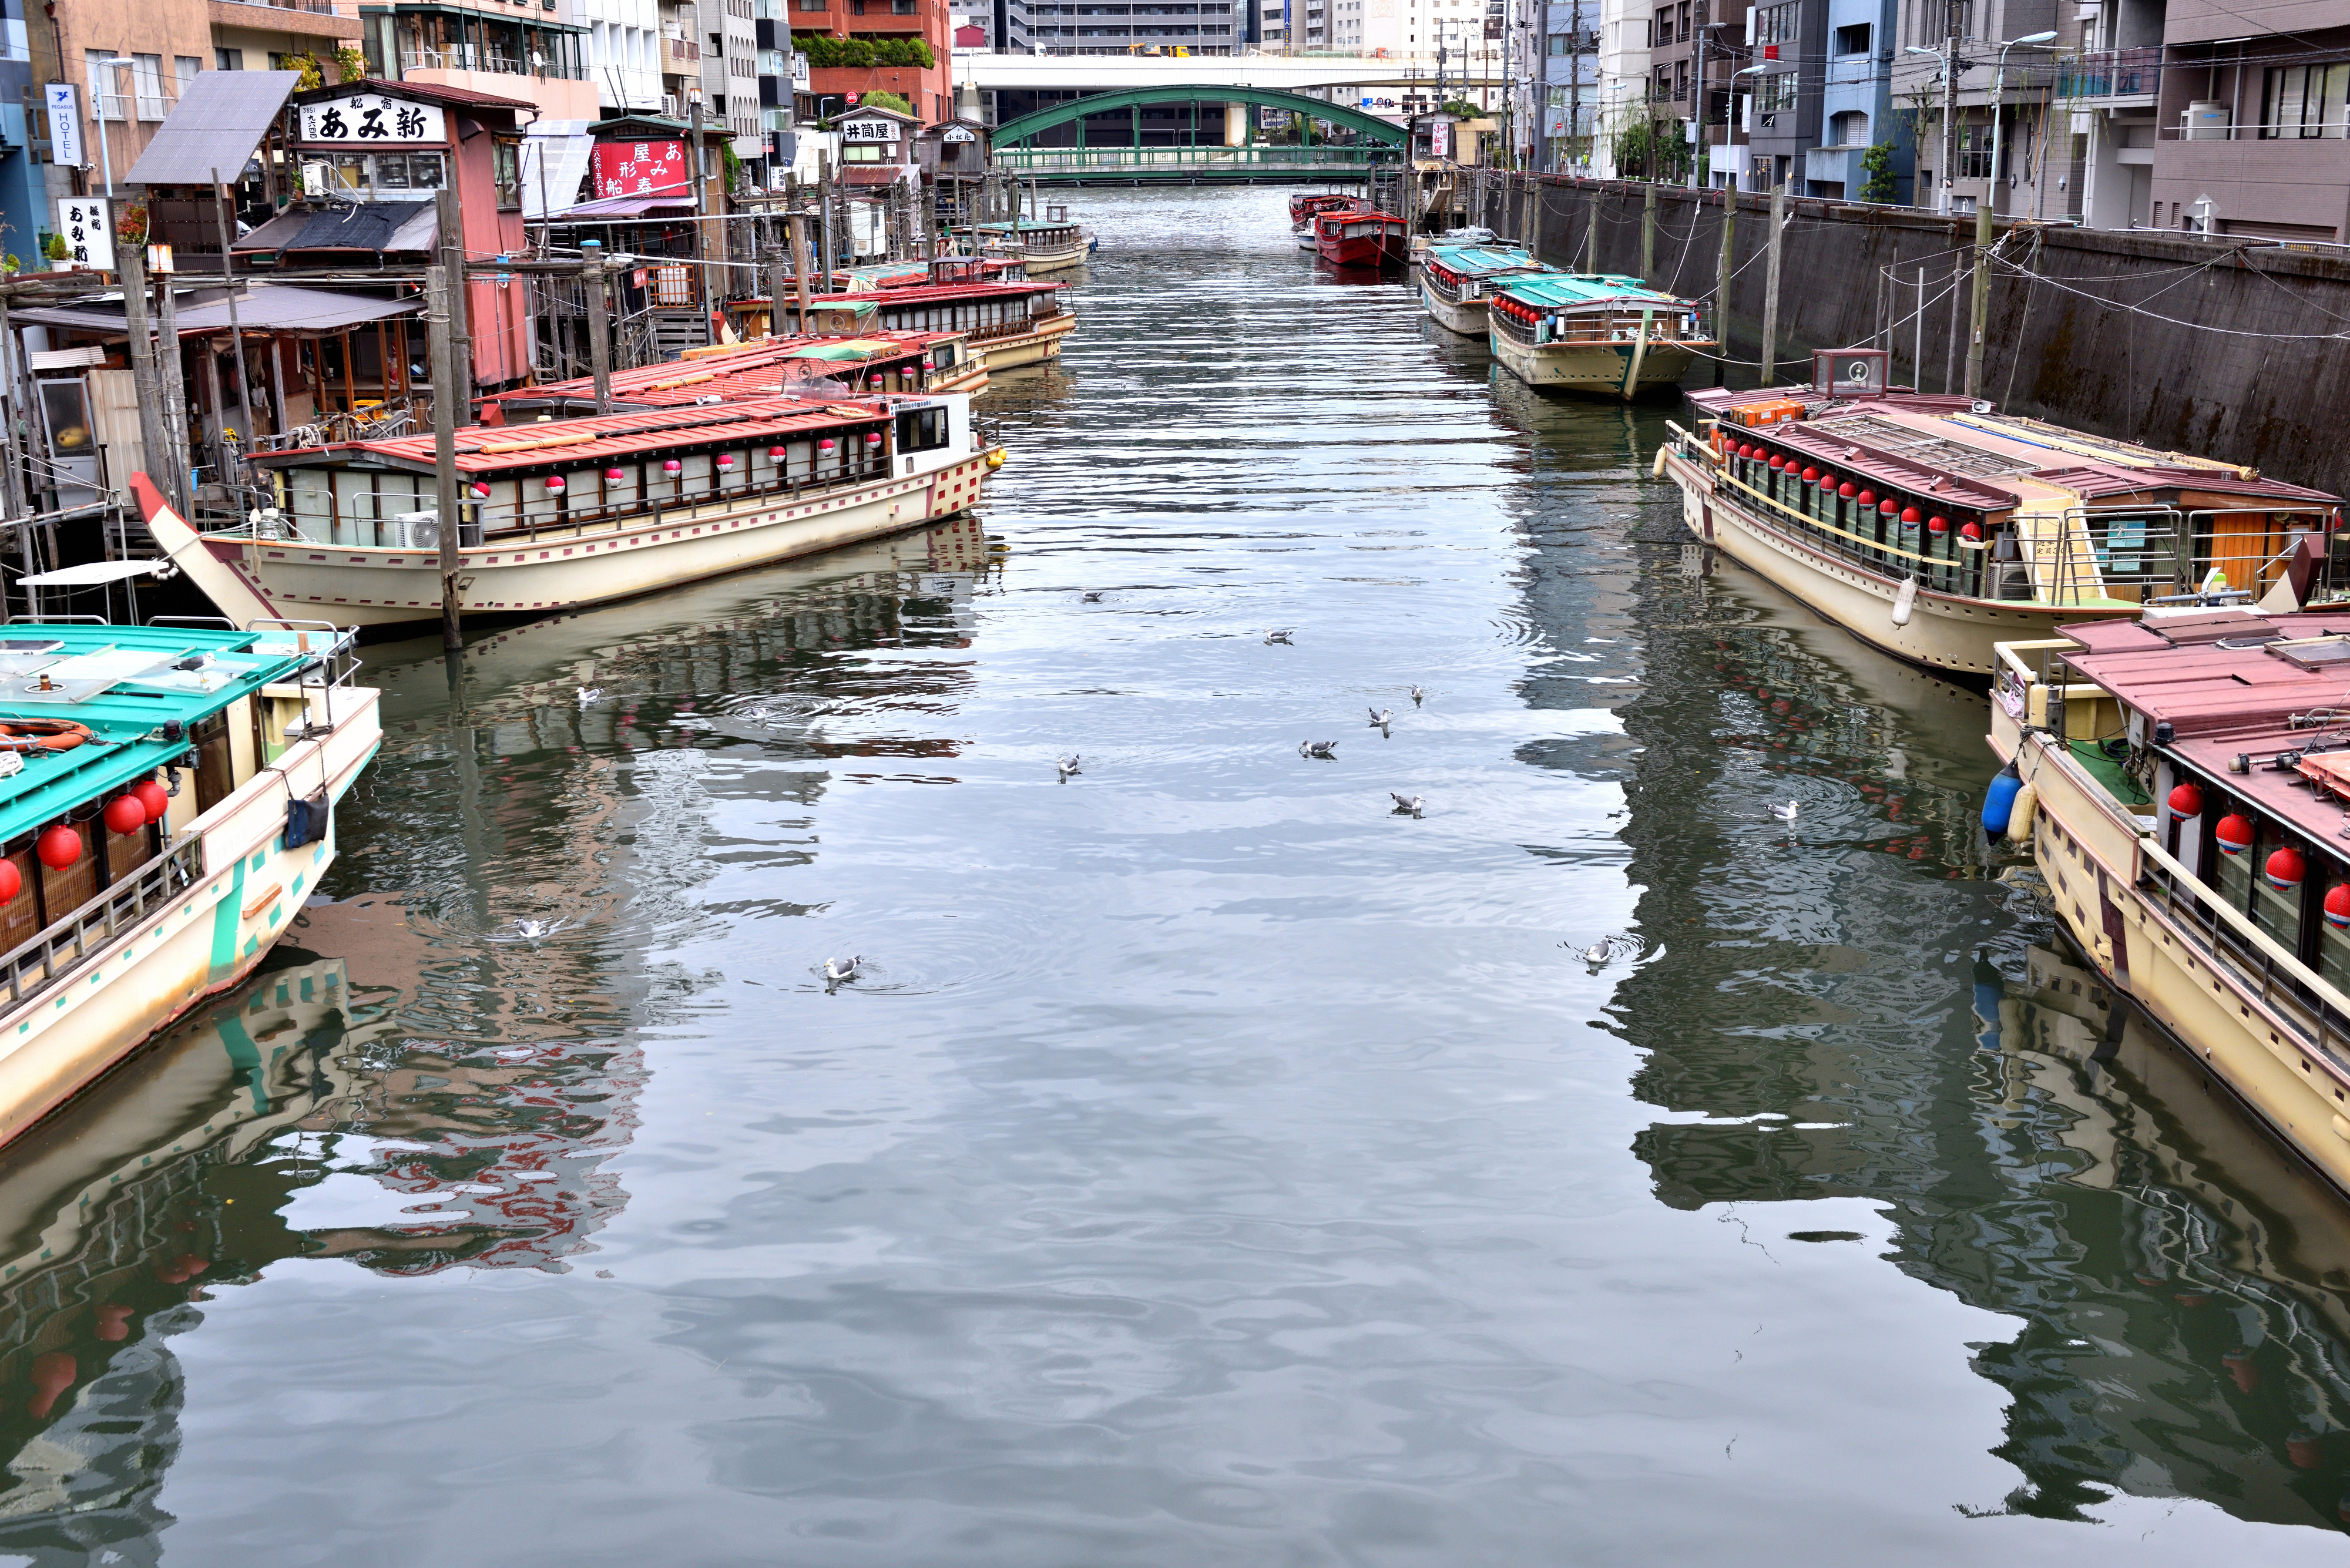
[{"x": 1210, "y": 1163}]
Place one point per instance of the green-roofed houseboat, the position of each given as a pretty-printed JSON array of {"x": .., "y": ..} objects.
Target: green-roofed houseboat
[
  {"x": 167, "y": 802},
  {"x": 1455, "y": 279},
  {"x": 1594, "y": 332}
]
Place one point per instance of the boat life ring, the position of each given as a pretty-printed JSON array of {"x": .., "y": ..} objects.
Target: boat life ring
[{"x": 42, "y": 735}]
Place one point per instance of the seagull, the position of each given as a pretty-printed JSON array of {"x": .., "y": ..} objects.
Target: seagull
[
  {"x": 1093, "y": 595},
  {"x": 532, "y": 930},
  {"x": 1067, "y": 765},
  {"x": 757, "y": 715},
  {"x": 591, "y": 695},
  {"x": 1416, "y": 695},
  {"x": 1382, "y": 717},
  {"x": 1785, "y": 813},
  {"x": 1317, "y": 749},
  {"x": 1607, "y": 950},
  {"x": 838, "y": 970},
  {"x": 1413, "y": 804},
  {"x": 1274, "y": 636}
]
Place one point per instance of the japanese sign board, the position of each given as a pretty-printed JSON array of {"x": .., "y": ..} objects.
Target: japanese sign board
[
  {"x": 877, "y": 128},
  {"x": 639, "y": 168},
  {"x": 89, "y": 231},
  {"x": 371, "y": 119},
  {"x": 65, "y": 124},
  {"x": 800, "y": 72},
  {"x": 1440, "y": 139},
  {"x": 957, "y": 135}
]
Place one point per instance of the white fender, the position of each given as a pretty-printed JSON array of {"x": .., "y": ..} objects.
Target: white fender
[{"x": 1905, "y": 601}]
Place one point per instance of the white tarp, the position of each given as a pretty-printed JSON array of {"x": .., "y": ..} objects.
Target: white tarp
[
  {"x": 558, "y": 148},
  {"x": 91, "y": 575}
]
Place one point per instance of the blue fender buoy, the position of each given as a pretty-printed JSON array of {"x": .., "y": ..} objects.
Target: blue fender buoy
[{"x": 1999, "y": 804}]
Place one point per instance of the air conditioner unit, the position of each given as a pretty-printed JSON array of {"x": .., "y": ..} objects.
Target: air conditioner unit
[
  {"x": 418, "y": 530},
  {"x": 670, "y": 109}
]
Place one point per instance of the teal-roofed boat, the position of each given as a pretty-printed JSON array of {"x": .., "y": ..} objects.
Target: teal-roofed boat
[
  {"x": 167, "y": 802},
  {"x": 1594, "y": 332},
  {"x": 1454, "y": 281}
]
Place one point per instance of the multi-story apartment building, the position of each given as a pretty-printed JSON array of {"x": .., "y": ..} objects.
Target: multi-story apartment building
[
  {"x": 2252, "y": 134},
  {"x": 2107, "y": 89},
  {"x": 1789, "y": 44},
  {"x": 1696, "y": 49},
  {"x": 1568, "y": 48},
  {"x": 481, "y": 46},
  {"x": 730, "y": 73},
  {"x": 895, "y": 37},
  {"x": 2002, "y": 115},
  {"x": 1856, "y": 105},
  {"x": 1107, "y": 26},
  {"x": 1624, "y": 29},
  {"x": 624, "y": 54}
]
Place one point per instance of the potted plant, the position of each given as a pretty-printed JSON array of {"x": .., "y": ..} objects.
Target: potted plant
[
  {"x": 9, "y": 265},
  {"x": 60, "y": 259}
]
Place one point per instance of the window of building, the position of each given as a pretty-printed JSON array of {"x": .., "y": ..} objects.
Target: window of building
[
  {"x": 507, "y": 152},
  {"x": 2303, "y": 102},
  {"x": 1775, "y": 25},
  {"x": 146, "y": 86},
  {"x": 228, "y": 60},
  {"x": 185, "y": 68},
  {"x": 1852, "y": 40},
  {"x": 105, "y": 85}
]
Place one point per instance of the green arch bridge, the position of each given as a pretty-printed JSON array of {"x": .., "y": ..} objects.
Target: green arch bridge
[{"x": 1192, "y": 133}]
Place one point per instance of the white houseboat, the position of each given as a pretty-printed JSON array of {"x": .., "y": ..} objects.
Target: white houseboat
[
  {"x": 1586, "y": 332},
  {"x": 1454, "y": 281}
]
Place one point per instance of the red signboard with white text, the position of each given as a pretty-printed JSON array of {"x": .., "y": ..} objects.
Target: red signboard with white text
[{"x": 641, "y": 169}]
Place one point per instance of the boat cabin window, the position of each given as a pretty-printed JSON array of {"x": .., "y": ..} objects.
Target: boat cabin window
[
  {"x": 215, "y": 775},
  {"x": 922, "y": 430}
]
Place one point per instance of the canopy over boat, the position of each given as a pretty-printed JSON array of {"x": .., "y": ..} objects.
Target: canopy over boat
[
  {"x": 1485, "y": 261},
  {"x": 1571, "y": 291}
]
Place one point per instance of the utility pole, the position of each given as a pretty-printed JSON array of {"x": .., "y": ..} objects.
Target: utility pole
[
  {"x": 1982, "y": 298},
  {"x": 437, "y": 292},
  {"x": 235, "y": 332},
  {"x": 800, "y": 265},
  {"x": 779, "y": 279},
  {"x": 1575, "y": 86},
  {"x": 1649, "y": 236},
  {"x": 1770, "y": 360},
  {"x": 1591, "y": 232},
  {"x": 701, "y": 210},
  {"x": 1721, "y": 267},
  {"x": 599, "y": 324},
  {"x": 1949, "y": 103},
  {"x": 450, "y": 223},
  {"x": 1697, "y": 152},
  {"x": 153, "y": 436}
]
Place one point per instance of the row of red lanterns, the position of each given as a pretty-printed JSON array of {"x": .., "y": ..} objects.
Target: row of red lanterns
[
  {"x": 1909, "y": 516},
  {"x": 60, "y": 845},
  {"x": 2286, "y": 868},
  {"x": 555, "y": 483}
]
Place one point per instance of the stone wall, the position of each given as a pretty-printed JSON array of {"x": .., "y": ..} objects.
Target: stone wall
[{"x": 2237, "y": 350}]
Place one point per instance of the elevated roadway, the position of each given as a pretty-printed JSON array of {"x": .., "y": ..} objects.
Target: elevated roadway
[{"x": 990, "y": 72}]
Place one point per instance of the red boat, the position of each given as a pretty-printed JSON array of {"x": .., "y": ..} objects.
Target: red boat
[
  {"x": 1302, "y": 209},
  {"x": 1360, "y": 238}
]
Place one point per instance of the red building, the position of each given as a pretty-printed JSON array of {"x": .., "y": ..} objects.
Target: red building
[{"x": 859, "y": 46}]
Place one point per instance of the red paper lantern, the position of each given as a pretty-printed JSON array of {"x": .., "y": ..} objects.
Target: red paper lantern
[
  {"x": 1970, "y": 531},
  {"x": 1811, "y": 476},
  {"x": 1868, "y": 498},
  {"x": 124, "y": 813},
  {"x": 872, "y": 437},
  {"x": 614, "y": 475},
  {"x": 1938, "y": 524},
  {"x": 1847, "y": 490},
  {"x": 1746, "y": 450},
  {"x": 1777, "y": 463},
  {"x": 2286, "y": 869},
  {"x": 725, "y": 460},
  {"x": 59, "y": 847},
  {"x": 1890, "y": 508},
  {"x": 2234, "y": 833},
  {"x": 555, "y": 485},
  {"x": 2337, "y": 904},
  {"x": 671, "y": 465},
  {"x": 12, "y": 881},
  {"x": 1912, "y": 516},
  {"x": 154, "y": 799},
  {"x": 827, "y": 444},
  {"x": 481, "y": 490},
  {"x": 927, "y": 364},
  {"x": 2187, "y": 801},
  {"x": 778, "y": 453}
]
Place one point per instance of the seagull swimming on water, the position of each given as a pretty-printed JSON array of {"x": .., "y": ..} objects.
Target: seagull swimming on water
[
  {"x": 1317, "y": 749},
  {"x": 1274, "y": 636},
  {"x": 1382, "y": 717},
  {"x": 1785, "y": 813},
  {"x": 1416, "y": 695},
  {"x": 1068, "y": 765},
  {"x": 591, "y": 695},
  {"x": 838, "y": 970},
  {"x": 1093, "y": 595},
  {"x": 1607, "y": 950},
  {"x": 532, "y": 930},
  {"x": 1413, "y": 804}
]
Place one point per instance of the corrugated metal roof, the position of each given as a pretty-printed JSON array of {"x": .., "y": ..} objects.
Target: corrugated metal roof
[
  {"x": 1484, "y": 261},
  {"x": 362, "y": 226},
  {"x": 1566, "y": 291},
  {"x": 757, "y": 370},
  {"x": 220, "y": 120},
  {"x": 491, "y": 451}
]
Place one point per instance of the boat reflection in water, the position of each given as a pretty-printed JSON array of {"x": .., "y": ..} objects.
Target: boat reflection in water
[
  {"x": 1853, "y": 1007},
  {"x": 2187, "y": 1333}
]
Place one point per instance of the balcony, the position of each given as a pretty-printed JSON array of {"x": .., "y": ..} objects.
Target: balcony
[
  {"x": 2112, "y": 78},
  {"x": 681, "y": 55},
  {"x": 306, "y": 18}
]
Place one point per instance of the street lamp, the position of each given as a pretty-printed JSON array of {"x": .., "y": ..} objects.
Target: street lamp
[
  {"x": 105, "y": 157},
  {"x": 1999, "y": 95}
]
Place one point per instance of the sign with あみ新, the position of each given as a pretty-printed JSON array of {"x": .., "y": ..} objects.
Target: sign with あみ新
[
  {"x": 89, "y": 231},
  {"x": 371, "y": 119}
]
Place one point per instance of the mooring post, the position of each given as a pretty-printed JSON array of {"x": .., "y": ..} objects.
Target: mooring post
[
  {"x": 1649, "y": 236},
  {"x": 1982, "y": 298},
  {"x": 1770, "y": 360}
]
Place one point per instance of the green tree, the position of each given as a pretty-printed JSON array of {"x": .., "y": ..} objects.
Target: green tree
[
  {"x": 1878, "y": 163},
  {"x": 884, "y": 101}
]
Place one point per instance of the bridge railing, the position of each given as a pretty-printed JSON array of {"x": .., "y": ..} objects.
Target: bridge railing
[{"x": 1080, "y": 160}]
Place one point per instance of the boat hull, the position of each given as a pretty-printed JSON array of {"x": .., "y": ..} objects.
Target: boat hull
[
  {"x": 1029, "y": 347},
  {"x": 1596, "y": 368},
  {"x": 375, "y": 586},
  {"x": 1383, "y": 249},
  {"x": 1944, "y": 632},
  {"x": 64, "y": 1036},
  {"x": 1466, "y": 317},
  {"x": 1040, "y": 262},
  {"x": 2147, "y": 951}
]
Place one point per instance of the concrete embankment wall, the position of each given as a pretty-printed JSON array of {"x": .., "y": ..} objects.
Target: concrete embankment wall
[{"x": 2227, "y": 353}]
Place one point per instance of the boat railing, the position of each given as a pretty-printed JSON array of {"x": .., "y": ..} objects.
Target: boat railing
[
  {"x": 2300, "y": 997},
  {"x": 48, "y": 960},
  {"x": 2080, "y": 555}
]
